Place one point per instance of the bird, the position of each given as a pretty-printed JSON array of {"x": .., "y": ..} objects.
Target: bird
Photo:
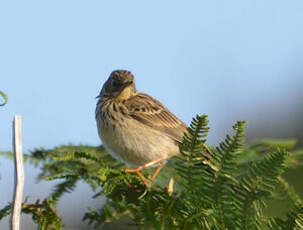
[{"x": 134, "y": 127}]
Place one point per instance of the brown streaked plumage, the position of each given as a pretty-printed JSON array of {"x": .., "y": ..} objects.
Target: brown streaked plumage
[
  {"x": 135, "y": 127},
  {"x": 152, "y": 113}
]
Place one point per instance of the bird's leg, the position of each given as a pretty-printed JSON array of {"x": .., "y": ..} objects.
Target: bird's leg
[
  {"x": 157, "y": 171},
  {"x": 138, "y": 169}
]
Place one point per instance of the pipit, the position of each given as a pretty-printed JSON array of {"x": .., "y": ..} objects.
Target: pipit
[{"x": 135, "y": 127}]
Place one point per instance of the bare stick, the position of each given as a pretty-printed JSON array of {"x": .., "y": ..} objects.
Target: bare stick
[{"x": 19, "y": 174}]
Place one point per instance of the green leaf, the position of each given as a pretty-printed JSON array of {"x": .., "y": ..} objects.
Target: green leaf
[{"x": 3, "y": 95}]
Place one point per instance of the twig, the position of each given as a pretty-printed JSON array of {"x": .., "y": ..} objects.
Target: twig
[{"x": 19, "y": 174}]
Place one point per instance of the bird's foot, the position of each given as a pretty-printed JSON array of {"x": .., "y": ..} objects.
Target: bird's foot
[{"x": 137, "y": 171}]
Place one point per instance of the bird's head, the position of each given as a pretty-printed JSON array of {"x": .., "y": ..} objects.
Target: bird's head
[{"x": 120, "y": 85}]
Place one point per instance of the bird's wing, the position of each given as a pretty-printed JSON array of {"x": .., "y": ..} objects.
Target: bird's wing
[{"x": 152, "y": 113}]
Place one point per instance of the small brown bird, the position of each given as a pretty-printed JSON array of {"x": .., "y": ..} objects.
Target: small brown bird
[{"x": 134, "y": 127}]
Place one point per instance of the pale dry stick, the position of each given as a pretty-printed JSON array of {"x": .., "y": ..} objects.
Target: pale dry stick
[{"x": 19, "y": 174}]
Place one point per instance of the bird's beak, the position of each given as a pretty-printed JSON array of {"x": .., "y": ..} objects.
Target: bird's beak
[{"x": 98, "y": 96}]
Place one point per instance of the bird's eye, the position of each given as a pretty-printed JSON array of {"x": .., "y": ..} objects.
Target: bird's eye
[{"x": 116, "y": 84}]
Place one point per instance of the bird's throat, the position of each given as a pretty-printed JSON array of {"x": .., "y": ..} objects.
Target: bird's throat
[{"x": 126, "y": 93}]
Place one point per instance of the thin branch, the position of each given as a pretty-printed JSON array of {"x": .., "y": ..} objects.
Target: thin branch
[{"x": 19, "y": 174}]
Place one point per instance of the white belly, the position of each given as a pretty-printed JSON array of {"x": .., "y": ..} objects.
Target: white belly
[{"x": 135, "y": 143}]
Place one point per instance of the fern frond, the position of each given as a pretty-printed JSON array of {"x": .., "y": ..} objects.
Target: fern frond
[
  {"x": 193, "y": 153},
  {"x": 65, "y": 187},
  {"x": 78, "y": 155},
  {"x": 44, "y": 214},
  {"x": 255, "y": 187},
  {"x": 293, "y": 220},
  {"x": 26, "y": 158},
  {"x": 225, "y": 159},
  {"x": 290, "y": 192},
  {"x": 5, "y": 211},
  {"x": 266, "y": 145}
]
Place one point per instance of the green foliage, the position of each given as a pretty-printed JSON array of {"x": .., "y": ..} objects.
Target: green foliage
[
  {"x": 188, "y": 164},
  {"x": 257, "y": 185},
  {"x": 44, "y": 214},
  {"x": 4, "y": 97},
  {"x": 228, "y": 187},
  {"x": 26, "y": 158}
]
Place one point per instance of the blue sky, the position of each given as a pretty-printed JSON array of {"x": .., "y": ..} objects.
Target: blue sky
[{"x": 228, "y": 59}]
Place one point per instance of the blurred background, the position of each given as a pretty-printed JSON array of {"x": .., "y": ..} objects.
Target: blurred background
[{"x": 232, "y": 60}]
